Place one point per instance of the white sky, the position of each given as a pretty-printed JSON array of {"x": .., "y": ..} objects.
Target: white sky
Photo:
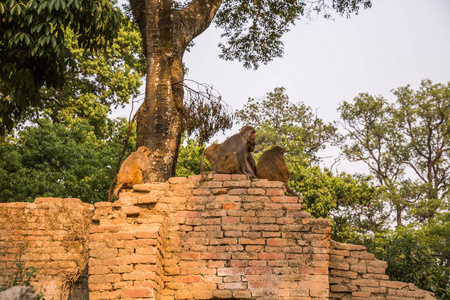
[{"x": 395, "y": 43}]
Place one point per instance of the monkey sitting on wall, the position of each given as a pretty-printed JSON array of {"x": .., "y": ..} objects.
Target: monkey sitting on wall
[
  {"x": 210, "y": 154},
  {"x": 234, "y": 156},
  {"x": 132, "y": 170},
  {"x": 272, "y": 166}
]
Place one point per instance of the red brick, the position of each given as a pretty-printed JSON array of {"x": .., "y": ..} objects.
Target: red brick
[
  {"x": 256, "y": 191},
  {"x": 273, "y": 206},
  {"x": 276, "y": 242},
  {"x": 238, "y": 192},
  {"x": 147, "y": 234},
  {"x": 190, "y": 255},
  {"x": 275, "y": 192},
  {"x": 265, "y": 255},
  {"x": 221, "y": 177},
  {"x": 249, "y": 220},
  {"x": 123, "y": 236},
  {"x": 314, "y": 271},
  {"x": 297, "y": 206},
  {"x": 145, "y": 284},
  {"x": 139, "y": 259},
  {"x": 230, "y": 206},
  {"x": 100, "y": 287},
  {"x": 244, "y": 241},
  {"x": 189, "y": 278},
  {"x": 244, "y": 255},
  {"x": 139, "y": 276},
  {"x": 393, "y": 284},
  {"x": 269, "y": 234},
  {"x": 361, "y": 294},
  {"x": 261, "y": 285},
  {"x": 216, "y": 256},
  {"x": 315, "y": 284},
  {"x": 137, "y": 293},
  {"x": 232, "y": 286},
  {"x": 227, "y": 220},
  {"x": 258, "y": 270},
  {"x": 230, "y": 271}
]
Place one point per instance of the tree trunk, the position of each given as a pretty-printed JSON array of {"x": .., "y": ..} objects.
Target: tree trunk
[{"x": 166, "y": 34}]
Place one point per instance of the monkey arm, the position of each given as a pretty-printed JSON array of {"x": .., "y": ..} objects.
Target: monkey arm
[{"x": 245, "y": 165}]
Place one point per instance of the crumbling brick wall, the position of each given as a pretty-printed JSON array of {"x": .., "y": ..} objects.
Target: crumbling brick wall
[
  {"x": 50, "y": 235},
  {"x": 356, "y": 274},
  {"x": 225, "y": 238},
  {"x": 229, "y": 237}
]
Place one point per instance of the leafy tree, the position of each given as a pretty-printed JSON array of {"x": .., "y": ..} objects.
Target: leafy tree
[
  {"x": 75, "y": 117},
  {"x": 253, "y": 32},
  {"x": 55, "y": 160},
  {"x": 96, "y": 83},
  {"x": 436, "y": 234},
  {"x": 32, "y": 49},
  {"x": 352, "y": 202},
  {"x": 394, "y": 139},
  {"x": 292, "y": 126},
  {"x": 426, "y": 115},
  {"x": 409, "y": 260},
  {"x": 189, "y": 159}
]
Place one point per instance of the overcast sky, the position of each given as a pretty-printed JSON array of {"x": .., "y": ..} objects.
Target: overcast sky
[{"x": 395, "y": 43}]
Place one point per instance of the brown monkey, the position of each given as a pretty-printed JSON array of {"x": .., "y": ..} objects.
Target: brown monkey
[
  {"x": 234, "y": 155},
  {"x": 211, "y": 154},
  {"x": 272, "y": 166},
  {"x": 132, "y": 170}
]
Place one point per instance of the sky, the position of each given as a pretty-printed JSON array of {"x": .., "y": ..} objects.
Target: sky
[{"x": 326, "y": 62}]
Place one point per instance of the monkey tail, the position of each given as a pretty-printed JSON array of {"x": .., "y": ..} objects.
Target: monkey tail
[
  {"x": 201, "y": 166},
  {"x": 116, "y": 190},
  {"x": 290, "y": 192}
]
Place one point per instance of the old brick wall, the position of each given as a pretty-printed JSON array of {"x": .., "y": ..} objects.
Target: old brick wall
[
  {"x": 227, "y": 238},
  {"x": 50, "y": 235},
  {"x": 356, "y": 274}
]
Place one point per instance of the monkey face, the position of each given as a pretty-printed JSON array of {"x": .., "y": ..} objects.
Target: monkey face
[{"x": 144, "y": 150}]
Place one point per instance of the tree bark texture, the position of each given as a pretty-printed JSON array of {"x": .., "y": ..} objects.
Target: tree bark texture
[{"x": 166, "y": 33}]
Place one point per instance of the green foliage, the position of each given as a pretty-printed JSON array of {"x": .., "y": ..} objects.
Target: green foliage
[
  {"x": 54, "y": 160},
  {"x": 21, "y": 276},
  {"x": 188, "y": 162},
  {"x": 409, "y": 260},
  {"x": 253, "y": 29},
  {"x": 351, "y": 201},
  {"x": 96, "y": 83},
  {"x": 32, "y": 49},
  {"x": 292, "y": 126},
  {"x": 412, "y": 135},
  {"x": 436, "y": 234}
]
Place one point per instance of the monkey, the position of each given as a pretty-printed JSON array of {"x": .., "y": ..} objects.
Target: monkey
[
  {"x": 132, "y": 170},
  {"x": 272, "y": 166},
  {"x": 211, "y": 155},
  {"x": 234, "y": 156}
]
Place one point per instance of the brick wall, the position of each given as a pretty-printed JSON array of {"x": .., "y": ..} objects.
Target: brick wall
[
  {"x": 226, "y": 238},
  {"x": 50, "y": 235},
  {"x": 356, "y": 274}
]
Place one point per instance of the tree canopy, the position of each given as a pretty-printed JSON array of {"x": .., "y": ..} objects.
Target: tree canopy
[
  {"x": 33, "y": 52},
  {"x": 406, "y": 145}
]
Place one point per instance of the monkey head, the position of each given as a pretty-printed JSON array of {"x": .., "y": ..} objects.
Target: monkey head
[
  {"x": 249, "y": 133},
  {"x": 277, "y": 149},
  {"x": 144, "y": 150}
]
